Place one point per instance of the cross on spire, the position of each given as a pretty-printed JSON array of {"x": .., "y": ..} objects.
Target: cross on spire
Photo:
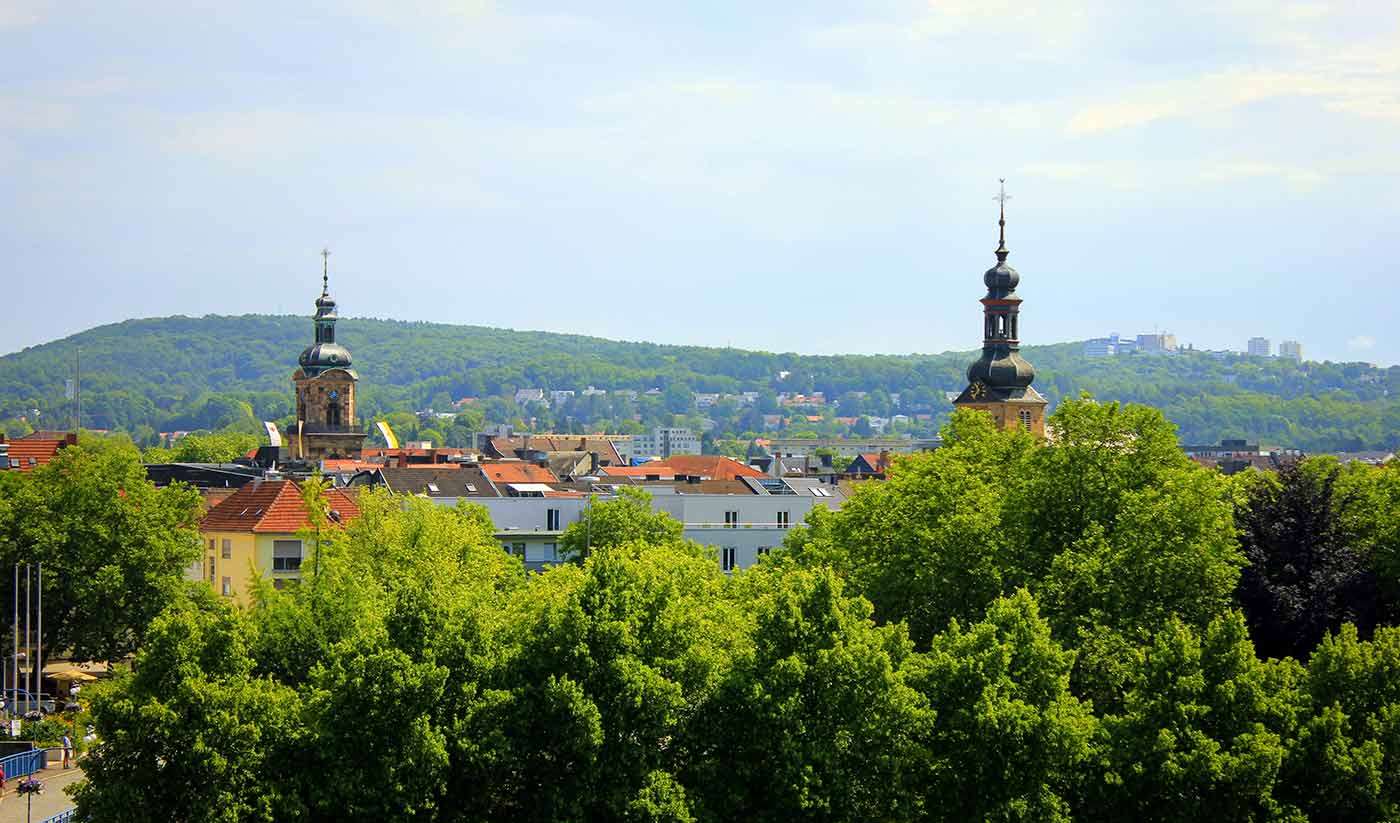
[
  {"x": 1001, "y": 198},
  {"x": 325, "y": 271}
]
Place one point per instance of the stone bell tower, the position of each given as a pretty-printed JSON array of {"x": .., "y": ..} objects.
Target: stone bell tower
[{"x": 326, "y": 425}]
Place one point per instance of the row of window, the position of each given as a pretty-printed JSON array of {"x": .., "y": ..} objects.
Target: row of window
[
  {"x": 729, "y": 556},
  {"x": 553, "y": 521},
  {"x": 549, "y": 553}
]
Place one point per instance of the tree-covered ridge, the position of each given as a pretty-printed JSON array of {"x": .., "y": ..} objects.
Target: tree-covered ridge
[{"x": 212, "y": 372}]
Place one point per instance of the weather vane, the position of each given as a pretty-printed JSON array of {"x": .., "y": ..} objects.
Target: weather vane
[
  {"x": 325, "y": 270},
  {"x": 1001, "y": 198}
]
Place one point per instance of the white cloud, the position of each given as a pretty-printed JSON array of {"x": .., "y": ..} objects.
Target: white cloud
[
  {"x": 1301, "y": 179},
  {"x": 19, "y": 13},
  {"x": 1362, "y": 342}
]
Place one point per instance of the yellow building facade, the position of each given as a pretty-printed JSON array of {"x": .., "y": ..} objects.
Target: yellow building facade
[{"x": 257, "y": 533}]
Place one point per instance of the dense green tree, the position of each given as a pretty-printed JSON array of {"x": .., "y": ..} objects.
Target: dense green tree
[
  {"x": 926, "y": 545},
  {"x": 1010, "y": 740},
  {"x": 815, "y": 721},
  {"x": 1119, "y": 527},
  {"x": 1345, "y": 764},
  {"x": 1202, "y": 730},
  {"x": 1309, "y": 571},
  {"x": 191, "y": 734},
  {"x": 114, "y": 548},
  {"x": 216, "y": 447},
  {"x": 628, "y": 518},
  {"x": 610, "y": 665}
]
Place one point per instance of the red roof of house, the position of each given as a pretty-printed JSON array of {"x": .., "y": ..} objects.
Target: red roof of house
[
  {"x": 518, "y": 472},
  {"x": 31, "y": 452},
  {"x": 713, "y": 466},
  {"x": 273, "y": 506},
  {"x": 654, "y": 468},
  {"x": 336, "y": 464}
]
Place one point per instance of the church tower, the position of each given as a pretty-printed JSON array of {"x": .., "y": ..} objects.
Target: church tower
[
  {"x": 999, "y": 382},
  {"x": 325, "y": 389}
]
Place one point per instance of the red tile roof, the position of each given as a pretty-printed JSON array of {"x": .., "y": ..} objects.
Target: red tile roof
[
  {"x": 518, "y": 472},
  {"x": 272, "y": 506},
  {"x": 712, "y": 466},
  {"x": 349, "y": 465},
  {"x": 653, "y": 468},
  {"x": 31, "y": 452}
]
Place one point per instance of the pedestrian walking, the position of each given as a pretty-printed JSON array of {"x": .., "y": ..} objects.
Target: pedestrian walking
[{"x": 67, "y": 751}]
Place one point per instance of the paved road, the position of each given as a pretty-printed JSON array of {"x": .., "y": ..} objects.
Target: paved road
[{"x": 51, "y": 802}]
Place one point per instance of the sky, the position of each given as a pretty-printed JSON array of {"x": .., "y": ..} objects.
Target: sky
[{"x": 814, "y": 177}]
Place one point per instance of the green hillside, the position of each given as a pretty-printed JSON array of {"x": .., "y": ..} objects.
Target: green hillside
[{"x": 160, "y": 374}]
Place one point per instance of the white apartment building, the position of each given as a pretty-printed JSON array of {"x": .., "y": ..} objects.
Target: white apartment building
[
  {"x": 1291, "y": 349},
  {"x": 1259, "y": 347},
  {"x": 665, "y": 442},
  {"x": 740, "y": 527},
  {"x": 848, "y": 447}
]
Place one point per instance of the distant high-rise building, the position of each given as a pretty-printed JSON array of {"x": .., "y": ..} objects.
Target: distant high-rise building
[
  {"x": 1100, "y": 347},
  {"x": 1156, "y": 343},
  {"x": 1260, "y": 347},
  {"x": 1291, "y": 349}
]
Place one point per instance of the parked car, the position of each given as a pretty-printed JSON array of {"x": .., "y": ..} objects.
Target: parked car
[{"x": 23, "y": 703}]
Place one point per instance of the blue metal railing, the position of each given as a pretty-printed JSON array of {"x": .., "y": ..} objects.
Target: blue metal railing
[{"x": 22, "y": 764}]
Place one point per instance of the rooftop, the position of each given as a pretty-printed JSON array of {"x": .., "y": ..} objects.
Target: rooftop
[{"x": 273, "y": 506}]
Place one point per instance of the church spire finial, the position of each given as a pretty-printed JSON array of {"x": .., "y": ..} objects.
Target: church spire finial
[
  {"x": 325, "y": 271},
  {"x": 1001, "y": 198}
]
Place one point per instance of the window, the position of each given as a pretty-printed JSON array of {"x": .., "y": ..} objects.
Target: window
[
  {"x": 226, "y": 550},
  {"x": 542, "y": 553},
  {"x": 286, "y": 555},
  {"x": 211, "y": 569},
  {"x": 1026, "y": 419},
  {"x": 731, "y": 520},
  {"x": 228, "y": 587},
  {"x": 518, "y": 549},
  {"x": 764, "y": 550},
  {"x": 782, "y": 520},
  {"x": 211, "y": 544},
  {"x": 551, "y": 520},
  {"x": 727, "y": 558}
]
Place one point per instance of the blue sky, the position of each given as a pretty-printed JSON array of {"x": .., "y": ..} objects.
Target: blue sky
[{"x": 814, "y": 177}]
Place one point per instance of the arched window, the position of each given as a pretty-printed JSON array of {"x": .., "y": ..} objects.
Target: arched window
[{"x": 1026, "y": 419}]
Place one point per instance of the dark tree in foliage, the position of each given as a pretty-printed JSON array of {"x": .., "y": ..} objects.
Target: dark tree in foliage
[{"x": 1308, "y": 573}]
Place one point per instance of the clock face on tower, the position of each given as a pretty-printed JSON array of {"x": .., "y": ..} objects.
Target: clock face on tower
[{"x": 977, "y": 390}]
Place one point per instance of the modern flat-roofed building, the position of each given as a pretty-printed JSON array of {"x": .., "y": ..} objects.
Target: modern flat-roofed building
[{"x": 1259, "y": 347}]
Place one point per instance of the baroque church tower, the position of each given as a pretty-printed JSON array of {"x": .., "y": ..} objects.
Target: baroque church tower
[
  {"x": 999, "y": 382},
  {"x": 325, "y": 389}
]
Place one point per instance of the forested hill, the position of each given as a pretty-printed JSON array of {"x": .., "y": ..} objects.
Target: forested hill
[{"x": 183, "y": 372}]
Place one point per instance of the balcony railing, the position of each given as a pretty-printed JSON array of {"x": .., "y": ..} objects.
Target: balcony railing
[
  {"x": 324, "y": 428},
  {"x": 690, "y": 525}
]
